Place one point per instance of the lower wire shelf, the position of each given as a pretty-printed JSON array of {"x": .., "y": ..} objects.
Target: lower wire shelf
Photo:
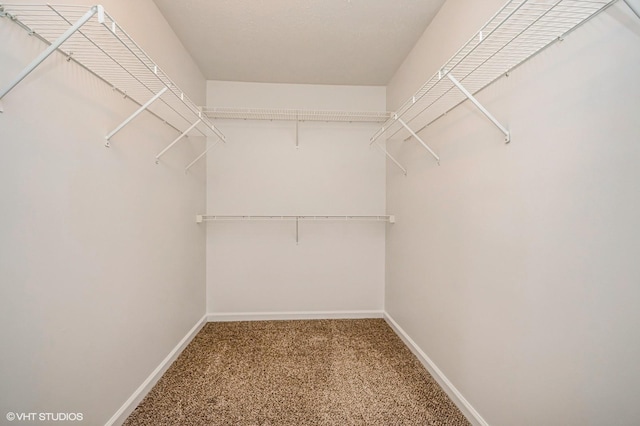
[{"x": 296, "y": 218}]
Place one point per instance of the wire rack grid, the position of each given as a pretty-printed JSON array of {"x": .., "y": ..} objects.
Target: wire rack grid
[
  {"x": 107, "y": 51},
  {"x": 232, "y": 218},
  {"x": 518, "y": 31},
  {"x": 296, "y": 115}
]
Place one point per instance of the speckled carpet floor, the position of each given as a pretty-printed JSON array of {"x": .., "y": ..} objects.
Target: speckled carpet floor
[{"x": 268, "y": 373}]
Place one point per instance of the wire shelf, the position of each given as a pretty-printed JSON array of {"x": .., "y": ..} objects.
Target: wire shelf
[
  {"x": 296, "y": 219},
  {"x": 518, "y": 31},
  {"x": 232, "y": 218},
  {"x": 102, "y": 47},
  {"x": 296, "y": 115}
]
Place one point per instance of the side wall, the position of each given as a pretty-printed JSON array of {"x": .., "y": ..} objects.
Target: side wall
[
  {"x": 257, "y": 267},
  {"x": 101, "y": 262},
  {"x": 515, "y": 267}
]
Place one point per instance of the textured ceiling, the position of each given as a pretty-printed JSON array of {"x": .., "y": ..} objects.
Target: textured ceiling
[{"x": 351, "y": 42}]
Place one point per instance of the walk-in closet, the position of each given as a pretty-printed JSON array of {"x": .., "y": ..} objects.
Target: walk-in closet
[{"x": 320, "y": 212}]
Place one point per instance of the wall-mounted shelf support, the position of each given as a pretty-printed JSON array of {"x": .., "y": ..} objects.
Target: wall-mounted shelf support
[
  {"x": 135, "y": 114},
  {"x": 230, "y": 218},
  {"x": 200, "y": 156},
  {"x": 176, "y": 140},
  {"x": 220, "y": 136},
  {"x": 404, "y": 171},
  {"x": 507, "y": 135},
  {"x": 52, "y": 48},
  {"x": 419, "y": 140}
]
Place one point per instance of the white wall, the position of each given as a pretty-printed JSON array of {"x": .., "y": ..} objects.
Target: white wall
[
  {"x": 515, "y": 267},
  {"x": 257, "y": 266},
  {"x": 101, "y": 262}
]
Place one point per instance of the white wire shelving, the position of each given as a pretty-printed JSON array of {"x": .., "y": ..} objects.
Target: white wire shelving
[
  {"x": 93, "y": 39},
  {"x": 518, "y": 31},
  {"x": 296, "y": 218},
  {"x": 370, "y": 218},
  {"x": 296, "y": 115}
]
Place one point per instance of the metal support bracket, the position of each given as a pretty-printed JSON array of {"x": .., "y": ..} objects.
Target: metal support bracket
[
  {"x": 507, "y": 135},
  {"x": 297, "y": 230},
  {"x": 218, "y": 133},
  {"x": 221, "y": 138},
  {"x": 200, "y": 156},
  {"x": 135, "y": 114},
  {"x": 415, "y": 135},
  {"x": 47, "y": 52},
  {"x": 404, "y": 171},
  {"x": 377, "y": 135},
  {"x": 297, "y": 122},
  {"x": 176, "y": 140}
]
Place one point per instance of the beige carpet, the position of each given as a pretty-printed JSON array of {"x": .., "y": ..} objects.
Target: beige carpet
[{"x": 327, "y": 372}]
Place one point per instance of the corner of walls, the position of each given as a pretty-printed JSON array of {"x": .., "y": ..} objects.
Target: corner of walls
[
  {"x": 465, "y": 407},
  {"x": 138, "y": 395}
]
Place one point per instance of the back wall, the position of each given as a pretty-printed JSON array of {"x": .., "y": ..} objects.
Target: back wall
[{"x": 257, "y": 266}]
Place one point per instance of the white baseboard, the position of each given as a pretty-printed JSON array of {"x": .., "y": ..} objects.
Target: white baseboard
[
  {"x": 127, "y": 408},
  {"x": 278, "y": 316},
  {"x": 467, "y": 409}
]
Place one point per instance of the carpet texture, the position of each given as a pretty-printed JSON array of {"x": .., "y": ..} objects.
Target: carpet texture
[{"x": 268, "y": 373}]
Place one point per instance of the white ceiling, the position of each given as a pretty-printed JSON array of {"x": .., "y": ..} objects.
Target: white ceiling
[{"x": 347, "y": 42}]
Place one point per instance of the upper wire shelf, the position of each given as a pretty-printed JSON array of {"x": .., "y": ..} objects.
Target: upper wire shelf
[
  {"x": 519, "y": 30},
  {"x": 93, "y": 39},
  {"x": 296, "y": 115},
  {"x": 235, "y": 218}
]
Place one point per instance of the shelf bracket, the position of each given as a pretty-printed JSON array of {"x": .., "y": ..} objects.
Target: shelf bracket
[
  {"x": 48, "y": 51},
  {"x": 633, "y": 8},
  {"x": 507, "y": 135},
  {"x": 177, "y": 139},
  {"x": 297, "y": 122},
  {"x": 135, "y": 114},
  {"x": 218, "y": 133},
  {"x": 200, "y": 156},
  {"x": 404, "y": 171},
  {"x": 220, "y": 137},
  {"x": 419, "y": 140},
  {"x": 377, "y": 135},
  {"x": 297, "y": 229}
]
